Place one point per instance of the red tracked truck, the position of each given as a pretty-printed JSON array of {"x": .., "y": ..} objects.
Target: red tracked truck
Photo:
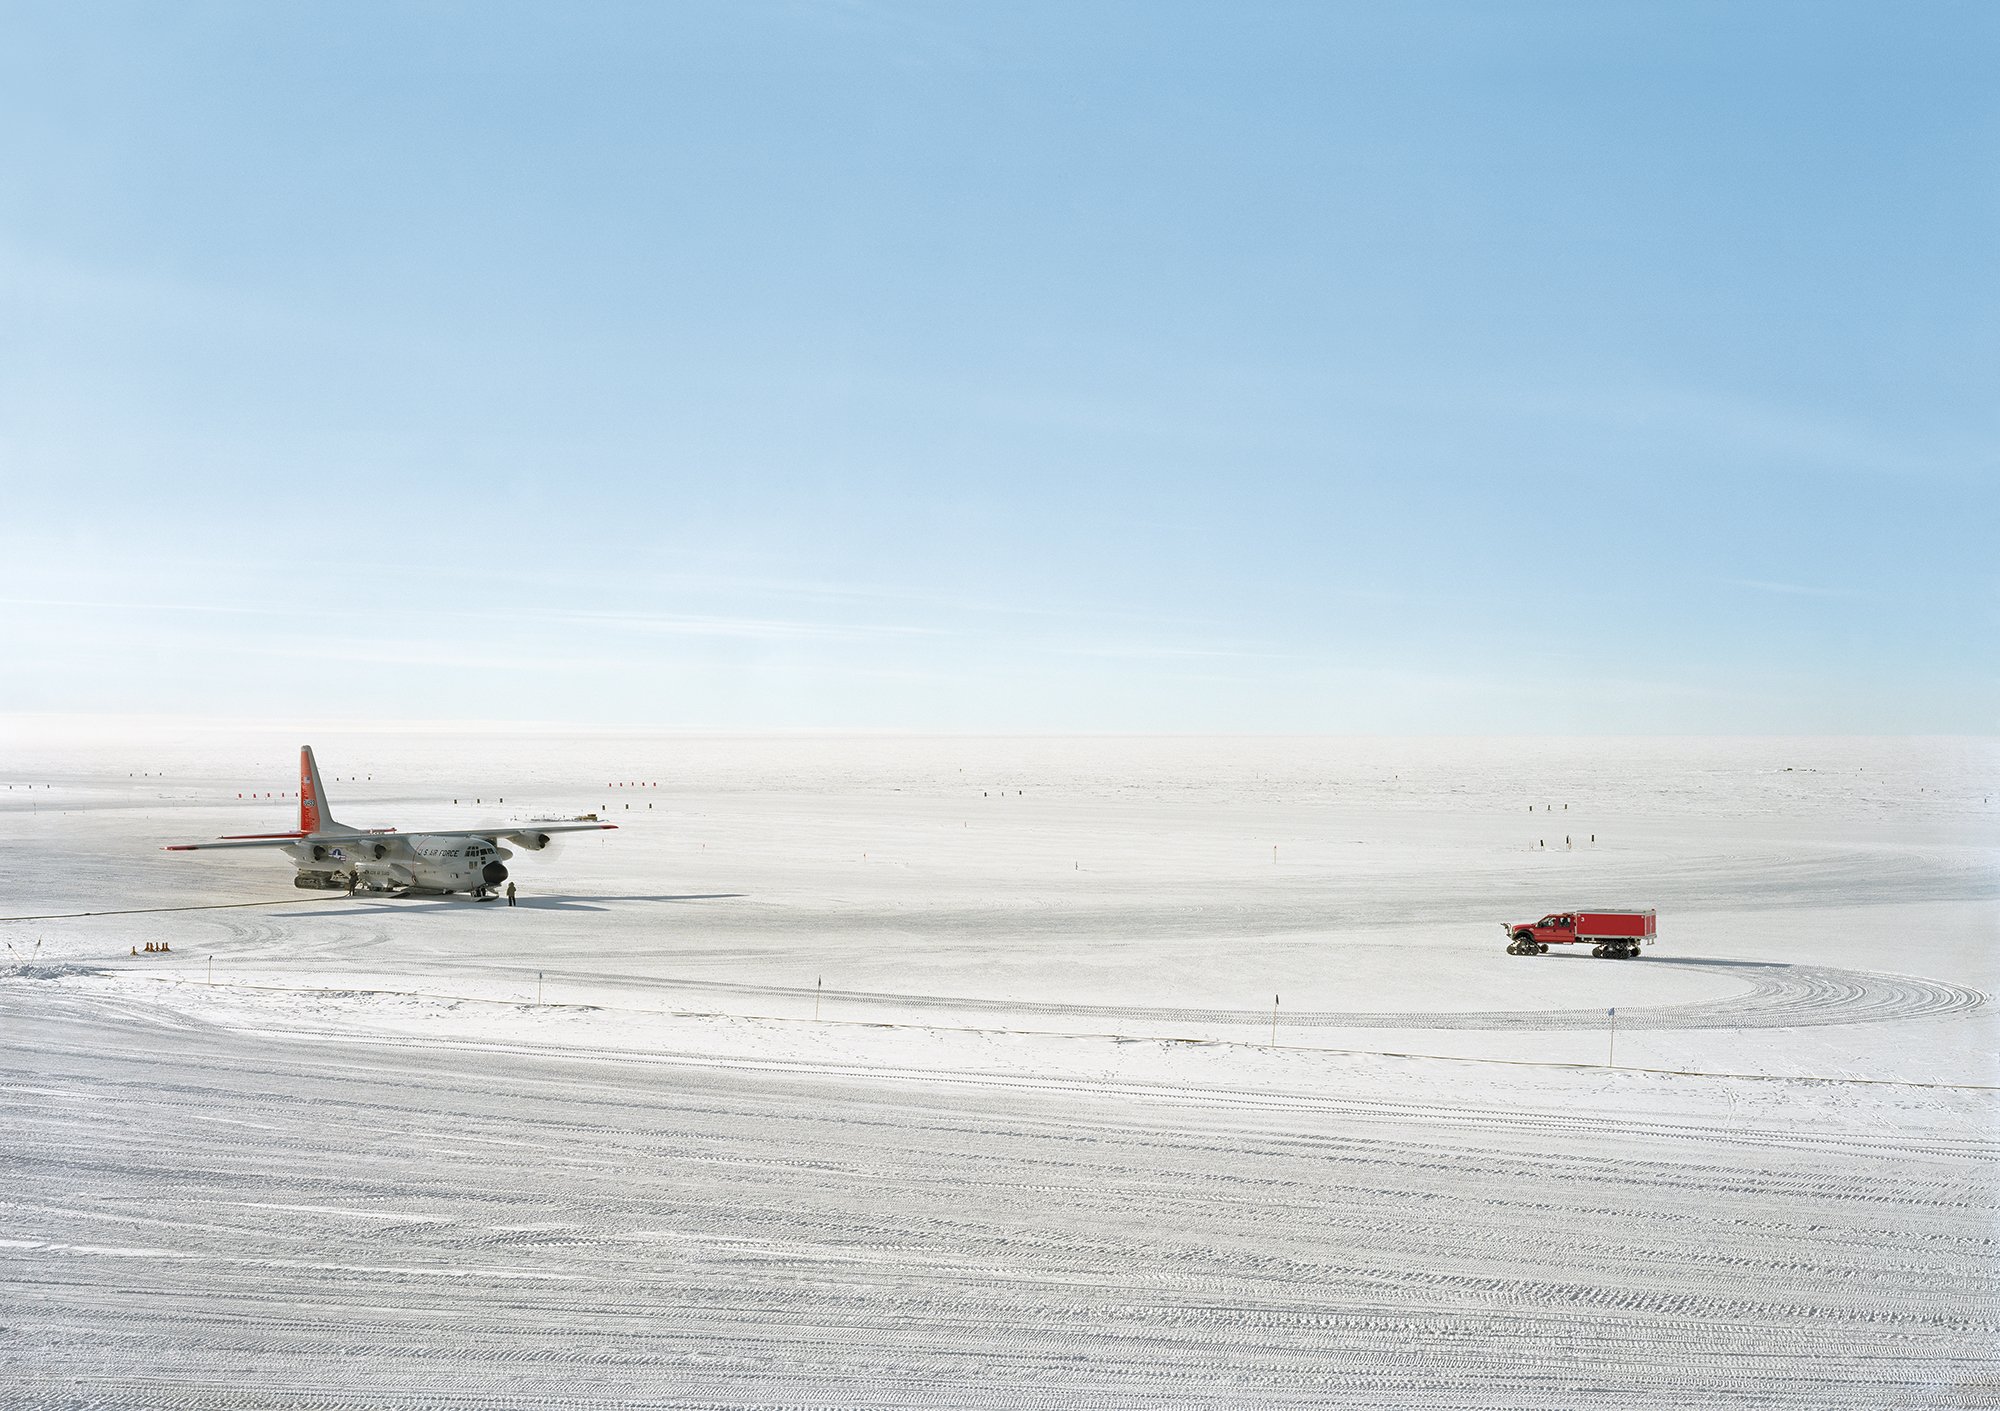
[{"x": 1611, "y": 935}]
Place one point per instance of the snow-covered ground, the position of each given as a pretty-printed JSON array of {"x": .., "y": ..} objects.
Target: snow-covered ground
[{"x": 891, "y": 1071}]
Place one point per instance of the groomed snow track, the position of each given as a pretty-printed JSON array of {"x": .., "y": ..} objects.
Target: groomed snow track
[{"x": 1779, "y": 997}]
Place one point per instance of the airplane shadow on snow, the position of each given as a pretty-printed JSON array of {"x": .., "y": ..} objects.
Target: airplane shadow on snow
[
  {"x": 562, "y": 903},
  {"x": 541, "y": 903}
]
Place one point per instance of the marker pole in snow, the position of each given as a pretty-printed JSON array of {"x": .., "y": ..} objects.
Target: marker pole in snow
[
  {"x": 1611, "y": 1053},
  {"x": 1274, "y": 1021},
  {"x": 538, "y": 987},
  {"x": 211, "y": 971},
  {"x": 816, "y": 984}
]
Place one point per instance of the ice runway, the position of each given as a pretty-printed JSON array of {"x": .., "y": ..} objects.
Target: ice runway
[
  {"x": 242, "y": 1220},
  {"x": 1029, "y": 1142}
]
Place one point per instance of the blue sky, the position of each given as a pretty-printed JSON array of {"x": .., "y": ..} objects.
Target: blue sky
[{"x": 1422, "y": 368}]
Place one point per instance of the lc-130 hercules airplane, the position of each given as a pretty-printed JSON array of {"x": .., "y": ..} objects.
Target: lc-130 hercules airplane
[{"x": 331, "y": 856}]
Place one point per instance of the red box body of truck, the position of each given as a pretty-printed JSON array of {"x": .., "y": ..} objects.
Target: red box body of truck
[{"x": 1611, "y": 934}]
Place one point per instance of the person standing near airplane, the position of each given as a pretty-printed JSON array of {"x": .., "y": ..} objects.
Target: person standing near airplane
[{"x": 510, "y": 894}]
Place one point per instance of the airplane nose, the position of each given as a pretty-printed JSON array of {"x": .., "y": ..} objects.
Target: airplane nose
[{"x": 494, "y": 874}]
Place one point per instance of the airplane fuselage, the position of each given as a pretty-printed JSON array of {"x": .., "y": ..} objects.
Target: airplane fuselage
[{"x": 393, "y": 861}]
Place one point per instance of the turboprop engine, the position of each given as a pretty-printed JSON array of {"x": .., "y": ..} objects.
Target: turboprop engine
[
  {"x": 533, "y": 842},
  {"x": 350, "y": 852}
]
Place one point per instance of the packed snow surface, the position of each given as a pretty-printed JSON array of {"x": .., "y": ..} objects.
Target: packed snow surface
[{"x": 997, "y": 1072}]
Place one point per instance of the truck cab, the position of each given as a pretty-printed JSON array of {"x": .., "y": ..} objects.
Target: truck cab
[{"x": 1558, "y": 928}]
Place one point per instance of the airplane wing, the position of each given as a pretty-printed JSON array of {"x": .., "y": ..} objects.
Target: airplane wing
[
  {"x": 292, "y": 839},
  {"x": 275, "y": 840},
  {"x": 278, "y": 840},
  {"x": 509, "y": 830},
  {"x": 237, "y": 843}
]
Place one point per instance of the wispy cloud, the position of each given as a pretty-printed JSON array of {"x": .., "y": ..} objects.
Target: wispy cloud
[
  {"x": 1796, "y": 590},
  {"x": 661, "y": 624},
  {"x": 1147, "y": 652},
  {"x": 694, "y": 625},
  {"x": 1741, "y": 424}
]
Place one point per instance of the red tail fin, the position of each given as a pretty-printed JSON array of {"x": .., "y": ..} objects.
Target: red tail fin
[{"x": 313, "y": 816}]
